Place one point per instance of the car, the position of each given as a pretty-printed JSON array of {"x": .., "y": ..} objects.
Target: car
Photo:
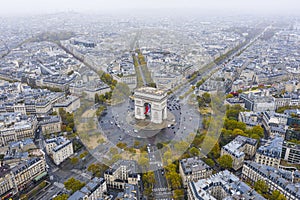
[{"x": 136, "y": 131}]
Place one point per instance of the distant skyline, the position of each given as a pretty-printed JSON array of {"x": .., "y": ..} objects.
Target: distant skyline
[{"x": 262, "y": 7}]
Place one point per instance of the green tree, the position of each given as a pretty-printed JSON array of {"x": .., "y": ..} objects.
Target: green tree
[
  {"x": 258, "y": 130},
  {"x": 209, "y": 162},
  {"x": 194, "y": 151},
  {"x": 136, "y": 144},
  {"x": 74, "y": 160},
  {"x": 113, "y": 150},
  {"x": 225, "y": 161},
  {"x": 61, "y": 197},
  {"x": 261, "y": 187},
  {"x": 73, "y": 184},
  {"x": 237, "y": 132},
  {"x": 229, "y": 96},
  {"x": 97, "y": 169},
  {"x": 276, "y": 195},
  {"x": 179, "y": 194},
  {"x": 206, "y": 97}
]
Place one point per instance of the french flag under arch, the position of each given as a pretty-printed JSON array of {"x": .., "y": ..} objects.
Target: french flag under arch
[{"x": 147, "y": 109}]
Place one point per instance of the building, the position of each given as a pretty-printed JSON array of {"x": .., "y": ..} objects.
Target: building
[
  {"x": 131, "y": 192},
  {"x": 193, "y": 169},
  {"x": 270, "y": 152},
  {"x": 51, "y": 124},
  {"x": 276, "y": 179},
  {"x": 290, "y": 152},
  {"x": 223, "y": 185},
  {"x": 93, "y": 190},
  {"x": 15, "y": 127},
  {"x": 150, "y": 102},
  {"x": 59, "y": 148},
  {"x": 120, "y": 173},
  {"x": 90, "y": 88},
  {"x": 239, "y": 149},
  {"x": 13, "y": 180},
  {"x": 274, "y": 123},
  {"x": 6, "y": 182},
  {"x": 292, "y": 134},
  {"x": 69, "y": 104},
  {"x": 258, "y": 103},
  {"x": 249, "y": 118}
]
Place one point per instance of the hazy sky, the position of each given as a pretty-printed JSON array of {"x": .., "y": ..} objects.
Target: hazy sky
[{"x": 12, "y": 7}]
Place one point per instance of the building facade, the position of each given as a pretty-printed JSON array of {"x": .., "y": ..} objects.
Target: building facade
[
  {"x": 291, "y": 152},
  {"x": 240, "y": 149},
  {"x": 13, "y": 180},
  {"x": 270, "y": 153},
  {"x": 223, "y": 185},
  {"x": 120, "y": 173},
  {"x": 93, "y": 190},
  {"x": 193, "y": 169},
  {"x": 150, "y": 102},
  {"x": 59, "y": 149},
  {"x": 276, "y": 179},
  {"x": 51, "y": 125}
]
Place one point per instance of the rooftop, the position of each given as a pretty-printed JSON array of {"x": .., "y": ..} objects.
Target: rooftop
[
  {"x": 234, "y": 146},
  {"x": 194, "y": 164},
  {"x": 272, "y": 148},
  {"x": 228, "y": 182}
]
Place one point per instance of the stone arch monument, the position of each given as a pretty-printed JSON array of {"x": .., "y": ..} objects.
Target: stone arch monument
[{"x": 150, "y": 102}]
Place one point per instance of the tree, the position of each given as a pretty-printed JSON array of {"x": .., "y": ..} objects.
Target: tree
[
  {"x": 225, "y": 161},
  {"x": 206, "y": 97},
  {"x": 61, "y": 197},
  {"x": 73, "y": 184},
  {"x": 97, "y": 169},
  {"x": 74, "y": 160},
  {"x": 237, "y": 132},
  {"x": 122, "y": 145},
  {"x": 229, "y": 96},
  {"x": 258, "y": 130},
  {"x": 179, "y": 194},
  {"x": 194, "y": 151},
  {"x": 276, "y": 195},
  {"x": 113, "y": 150},
  {"x": 209, "y": 162},
  {"x": 173, "y": 177},
  {"x": 261, "y": 187},
  {"x": 136, "y": 144}
]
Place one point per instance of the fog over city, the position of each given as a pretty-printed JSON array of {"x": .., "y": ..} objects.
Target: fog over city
[
  {"x": 274, "y": 7},
  {"x": 149, "y": 99}
]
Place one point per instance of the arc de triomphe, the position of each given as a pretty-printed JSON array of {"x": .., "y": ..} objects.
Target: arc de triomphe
[{"x": 150, "y": 102}]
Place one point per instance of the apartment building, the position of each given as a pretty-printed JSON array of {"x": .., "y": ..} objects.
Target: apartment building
[
  {"x": 12, "y": 180},
  {"x": 120, "y": 173},
  {"x": 270, "y": 152},
  {"x": 223, "y": 185},
  {"x": 51, "y": 124},
  {"x": 276, "y": 179},
  {"x": 290, "y": 152},
  {"x": 240, "y": 149},
  {"x": 59, "y": 149},
  {"x": 16, "y": 127},
  {"x": 193, "y": 169},
  {"x": 93, "y": 190}
]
